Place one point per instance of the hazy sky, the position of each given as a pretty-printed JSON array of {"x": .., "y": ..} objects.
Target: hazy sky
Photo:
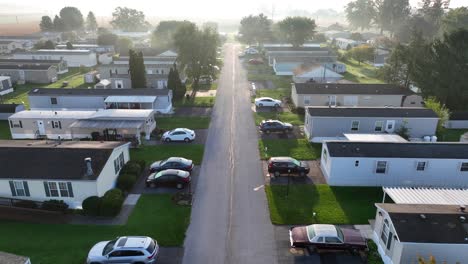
[{"x": 202, "y": 9}]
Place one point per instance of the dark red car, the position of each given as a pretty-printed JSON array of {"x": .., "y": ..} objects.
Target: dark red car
[
  {"x": 255, "y": 61},
  {"x": 327, "y": 237}
]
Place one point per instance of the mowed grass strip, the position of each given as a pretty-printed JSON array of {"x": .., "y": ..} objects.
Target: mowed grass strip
[
  {"x": 164, "y": 151},
  {"x": 192, "y": 122},
  {"x": 300, "y": 149},
  {"x": 203, "y": 101},
  {"x": 154, "y": 215},
  {"x": 332, "y": 205},
  {"x": 5, "y": 130}
]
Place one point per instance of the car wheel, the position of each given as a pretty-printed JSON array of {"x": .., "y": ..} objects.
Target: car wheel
[
  {"x": 167, "y": 140},
  {"x": 260, "y": 105},
  {"x": 302, "y": 174},
  {"x": 179, "y": 186},
  {"x": 277, "y": 174},
  {"x": 187, "y": 140},
  {"x": 152, "y": 185},
  {"x": 277, "y": 106}
]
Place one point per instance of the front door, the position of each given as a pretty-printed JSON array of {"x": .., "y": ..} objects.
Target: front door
[
  {"x": 41, "y": 127},
  {"x": 332, "y": 100}
]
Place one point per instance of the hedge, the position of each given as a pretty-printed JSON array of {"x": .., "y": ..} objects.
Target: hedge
[
  {"x": 54, "y": 205},
  {"x": 125, "y": 182},
  {"x": 111, "y": 203},
  {"x": 91, "y": 205}
]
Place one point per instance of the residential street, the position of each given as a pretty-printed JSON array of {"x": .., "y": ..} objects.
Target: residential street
[{"x": 230, "y": 221}]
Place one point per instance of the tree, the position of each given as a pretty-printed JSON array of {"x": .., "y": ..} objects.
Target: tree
[
  {"x": 255, "y": 29},
  {"x": 297, "y": 30},
  {"x": 163, "y": 35},
  {"x": 360, "y": 13},
  {"x": 196, "y": 51},
  {"x": 171, "y": 84},
  {"x": 137, "y": 69},
  {"x": 415, "y": 23},
  {"x": 336, "y": 26},
  {"x": 91, "y": 23},
  {"x": 455, "y": 19},
  {"x": 390, "y": 14},
  {"x": 362, "y": 53},
  {"x": 69, "y": 45},
  {"x": 123, "y": 45},
  {"x": 44, "y": 45},
  {"x": 46, "y": 24},
  {"x": 356, "y": 36},
  {"x": 107, "y": 38},
  {"x": 58, "y": 24},
  {"x": 404, "y": 131},
  {"x": 442, "y": 112},
  {"x": 180, "y": 88},
  {"x": 129, "y": 20},
  {"x": 319, "y": 38},
  {"x": 72, "y": 18},
  {"x": 395, "y": 70}
]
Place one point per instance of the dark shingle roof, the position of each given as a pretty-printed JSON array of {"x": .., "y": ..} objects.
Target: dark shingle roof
[
  {"x": 398, "y": 150},
  {"x": 36, "y": 160},
  {"x": 351, "y": 88},
  {"x": 440, "y": 223},
  {"x": 372, "y": 112},
  {"x": 25, "y": 66},
  {"x": 459, "y": 115},
  {"x": 19, "y": 61},
  {"x": 295, "y": 49},
  {"x": 8, "y": 108},
  {"x": 103, "y": 92}
]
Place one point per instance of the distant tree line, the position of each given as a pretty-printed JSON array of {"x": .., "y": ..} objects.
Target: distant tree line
[{"x": 68, "y": 19}]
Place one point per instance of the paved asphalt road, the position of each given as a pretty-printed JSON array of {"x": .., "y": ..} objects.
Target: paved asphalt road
[{"x": 230, "y": 221}]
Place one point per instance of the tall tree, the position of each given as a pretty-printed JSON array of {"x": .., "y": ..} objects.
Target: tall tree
[
  {"x": 442, "y": 112},
  {"x": 390, "y": 14},
  {"x": 455, "y": 19},
  {"x": 296, "y": 30},
  {"x": 196, "y": 50},
  {"x": 137, "y": 69},
  {"x": 129, "y": 20},
  {"x": 72, "y": 18},
  {"x": 362, "y": 53},
  {"x": 180, "y": 88},
  {"x": 58, "y": 24},
  {"x": 48, "y": 45},
  {"x": 163, "y": 35},
  {"x": 46, "y": 24},
  {"x": 171, "y": 83},
  {"x": 432, "y": 11},
  {"x": 123, "y": 45},
  {"x": 255, "y": 29},
  {"x": 91, "y": 23},
  {"x": 360, "y": 13}
]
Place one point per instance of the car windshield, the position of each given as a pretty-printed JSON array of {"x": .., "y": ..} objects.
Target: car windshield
[
  {"x": 340, "y": 233},
  {"x": 185, "y": 161},
  {"x": 151, "y": 246},
  {"x": 108, "y": 248},
  {"x": 310, "y": 232},
  {"x": 163, "y": 162},
  {"x": 296, "y": 162}
]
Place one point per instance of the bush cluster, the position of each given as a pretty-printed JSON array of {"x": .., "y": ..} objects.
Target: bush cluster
[
  {"x": 54, "y": 205},
  {"x": 108, "y": 205},
  {"x": 129, "y": 174}
]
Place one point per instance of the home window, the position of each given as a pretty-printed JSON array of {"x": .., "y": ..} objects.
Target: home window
[
  {"x": 19, "y": 188},
  {"x": 14, "y": 124},
  {"x": 306, "y": 100},
  {"x": 119, "y": 162},
  {"x": 421, "y": 165},
  {"x": 64, "y": 189},
  {"x": 57, "y": 124},
  {"x": 53, "y": 189},
  {"x": 381, "y": 167},
  {"x": 464, "y": 166},
  {"x": 58, "y": 189},
  {"x": 355, "y": 125},
  {"x": 53, "y": 100},
  {"x": 119, "y": 84},
  {"x": 378, "y": 126},
  {"x": 385, "y": 232}
]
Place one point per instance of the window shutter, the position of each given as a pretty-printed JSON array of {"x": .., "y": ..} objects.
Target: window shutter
[
  {"x": 21, "y": 124},
  {"x": 26, "y": 188},
  {"x": 11, "y": 124},
  {"x": 12, "y": 187},
  {"x": 53, "y": 124},
  {"x": 60, "y": 124},
  {"x": 70, "y": 189},
  {"x": 46, "y": 188},
  {"x": 389, "y": 242}
]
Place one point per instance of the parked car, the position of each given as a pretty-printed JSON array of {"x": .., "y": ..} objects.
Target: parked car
[
  {"x": 179, "y": 134},
  {"x": 267, "y": 102},
  {"x": 169, "y": 178},
  {"x": 172, "y": 163},
  {"x": 287, "y": 165},
  {"x": 255, "y": 61},
  {"x": 268, "y": 126},
  {"x": 205, "y": 79},
  {"x": 251, "y": 51},
  {"x": 128, "y": 249},
  {"x": 327, "y": 237}
]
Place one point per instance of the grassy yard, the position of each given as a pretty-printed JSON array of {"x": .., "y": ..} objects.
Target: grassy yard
[
  {"x": 192, "y": 122},
  {"x": 74, "y": 78},
  {"x": 274, "y": 93},
  {"x": 451, "y": 135},
  {"x": 4, "y": 130},
  {"x": 154, "y": 215},
  {"x": 288, "y": 117},
  {"x": 299, "y": 149},
  {"x": 197, "y": 102},
  {"x": 278, "y": 81},
  {"x": 159, "y": 152},
  {"x": 332, "y": 205},
  {"x": 364, "y": 73}
]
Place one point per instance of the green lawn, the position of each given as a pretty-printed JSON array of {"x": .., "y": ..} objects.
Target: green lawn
[
  {"x": 154, "y": 215},
  {"x": 299, "y": 149},
  {"x": 197, "y": 102},
  {"x": 451, "y": 135},
  {"x": 288, "y": 117},
  {"x": 74, "y": 78},
  {"x": 332, "y": 205},
  {"x": 192, "y": 122},
  {"x": 364, "y": 73},
  {"x": 278, "y": 81},
  {"x": 274, "y": 93},
  {"x": 159, "y": 152},
  {"x": 4, "y": 130}
]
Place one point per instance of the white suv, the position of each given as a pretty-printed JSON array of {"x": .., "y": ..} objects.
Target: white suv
[{"x": 128, "y": 249}]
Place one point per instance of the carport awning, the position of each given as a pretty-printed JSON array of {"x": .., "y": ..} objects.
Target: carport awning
[
  {"x": 130, "y": 99},
  {"x": 107, "y": 124},
  {"x": 427, "y": 195}
]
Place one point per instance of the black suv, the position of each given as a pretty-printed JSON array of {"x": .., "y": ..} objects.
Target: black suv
[
  {"x": 287, "y": 165},
  {"x": 268, "y": 126}
]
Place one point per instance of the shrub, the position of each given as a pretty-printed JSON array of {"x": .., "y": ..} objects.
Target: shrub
[
  {"x": 132, "y": 167},
  {"x": 125, "y": 182},
  {"x": 111, "y": 203},
  {"x": 26, "y": 204},
  {"x": 91, "y": 205},
  {"x": 299, "y": 110},
  {"x": 54, "y": 205},
  {"x": 142, "y": 164}
]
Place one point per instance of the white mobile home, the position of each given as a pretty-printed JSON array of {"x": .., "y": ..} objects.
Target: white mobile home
[
  {"x": 331, "y": 123},
  {"x": 399, "y": 164},
  {"x": 73, "y": 58},
  {"x": 71, "y": 171}
]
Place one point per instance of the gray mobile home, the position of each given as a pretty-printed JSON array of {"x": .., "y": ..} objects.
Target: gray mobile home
[{"x": 30, "y": 73}]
